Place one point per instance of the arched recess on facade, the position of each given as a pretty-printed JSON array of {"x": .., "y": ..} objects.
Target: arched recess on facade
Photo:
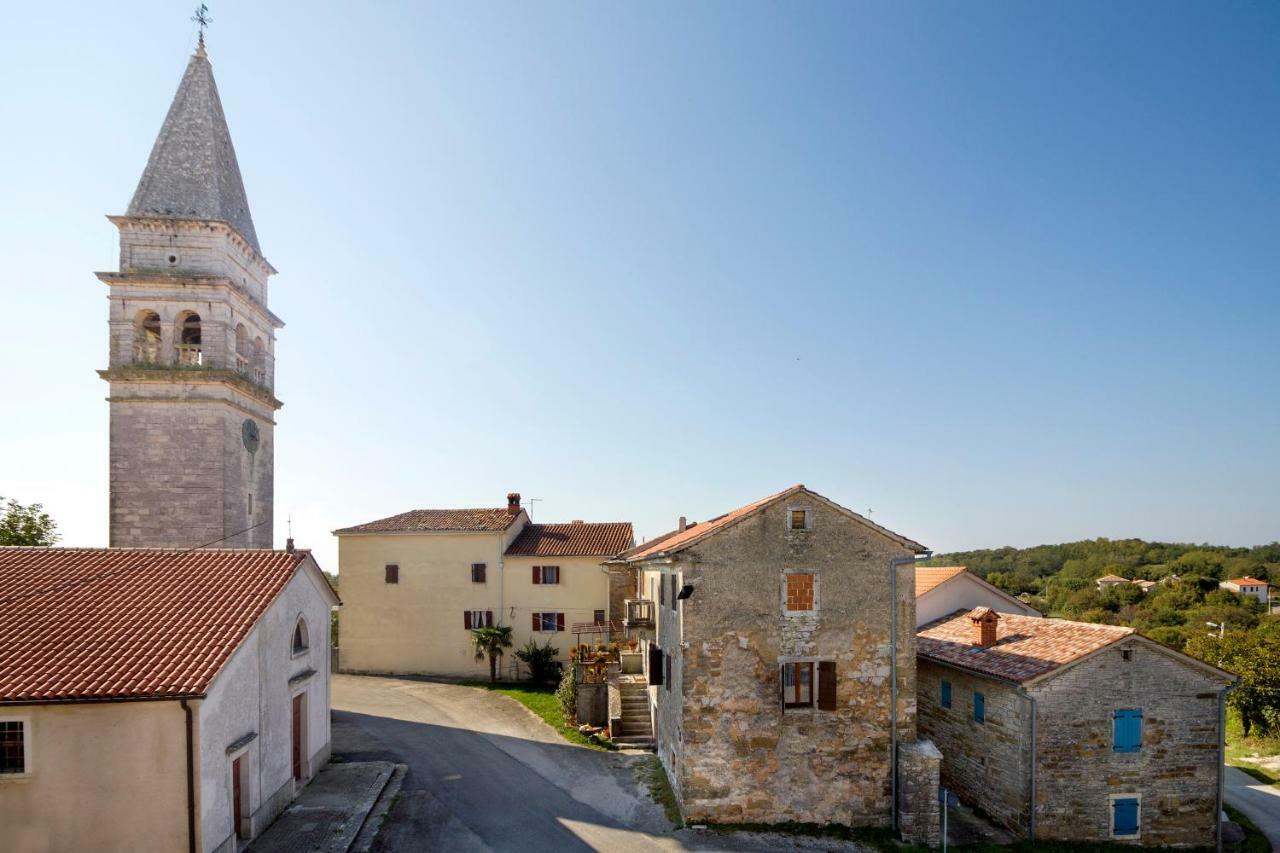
[
  {"x": 189, "y": 339},
  {"x": 146, "y": 336},
  {"x": 301, "y": 637}
]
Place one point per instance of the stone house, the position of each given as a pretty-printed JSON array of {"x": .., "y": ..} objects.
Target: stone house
[
  {"x": 157, "y": 699},
  {"x": 1107, "y": 581},
  {"x": 941, "y": 590},
  {"x": 781, "y": 667},
  {"x": 1073, "y": 731},
  {"x": 415, "y": 584}
]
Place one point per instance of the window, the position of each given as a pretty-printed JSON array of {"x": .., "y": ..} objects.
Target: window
[
  {"x": 477, "y": 572},
  {"x": 798, "y": 519},
  {"x": 598, "y": 617},
  {"x": 797, "y": 684},
  {"x": 13, "y": 747},
  {"x": 146, "y": 340},
  {"x": 546, "y": 574},
  {"x": 1124, "y": 816},
  {"x": 548, "y": 622},
  {"x": 799, "y": 591},
  {"x": 655, "y": 665},
  {"x": 1126, "y": 730},
  {"x": 300, "y": 637},
  {"x": 979, "y": 707},
  {"x": 1127, "y": 654},
  {"x": 189, "y": 340},
  {"x": 946, "y": 694},
  {"x": 477, "y": 619},
  {"x": 392, "y": 573}
]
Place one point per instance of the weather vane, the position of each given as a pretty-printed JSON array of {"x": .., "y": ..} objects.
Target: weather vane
[{"x": 202, "y": 18}]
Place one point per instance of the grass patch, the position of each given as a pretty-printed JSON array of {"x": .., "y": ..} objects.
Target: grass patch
[
  {"x": 542, "y": 701},
  {"x": 1240, "y": 749},
  {"x": 1254, "y": 840},
  {"x": 650, "y": 772}
]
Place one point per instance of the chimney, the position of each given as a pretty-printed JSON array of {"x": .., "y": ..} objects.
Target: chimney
[
  {"x": 684, "y": 522},
  {"x": 513, "y": 502},
  {"x": 577, "y": 521},
  {"x": 984, "y": 627},
  {"x": 288, "y": 545}
]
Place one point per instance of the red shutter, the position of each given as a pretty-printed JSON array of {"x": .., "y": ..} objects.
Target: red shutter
[
  {"x": 559, "y": 621},
  {"x": 466, "y": 619},
  {"x": 488, "y": 618},
  {"x": 537, "y": 621},
  {"x": 537, "y": 574},
  {"x": 827, "y": 685}
]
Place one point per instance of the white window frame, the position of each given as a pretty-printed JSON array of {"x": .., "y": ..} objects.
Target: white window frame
[
  {"x": 28, "y": 752},
  {"x": 1111, "y": 815},
  {"x": 808, "y": 518},
  {"x": 816, "y": 591}
]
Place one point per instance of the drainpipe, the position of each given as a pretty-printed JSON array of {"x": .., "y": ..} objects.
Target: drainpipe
[
  {"x": 191, "y": 781},
  {"x": 893, "y": 681},
  {"x": 502, "y": 580},
  {"x": 1031, "y": 817}
]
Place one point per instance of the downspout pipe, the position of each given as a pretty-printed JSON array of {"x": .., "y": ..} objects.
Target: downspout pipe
[
  {"x": 894, "y": 564},
  {"x": 191, "y": 780}
]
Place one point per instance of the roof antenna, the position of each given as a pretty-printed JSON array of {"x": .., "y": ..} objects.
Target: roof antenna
[{"x": 201, "y": 17}]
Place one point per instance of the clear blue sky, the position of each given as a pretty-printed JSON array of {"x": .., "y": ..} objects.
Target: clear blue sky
[{"x": 1004, "y": 273}]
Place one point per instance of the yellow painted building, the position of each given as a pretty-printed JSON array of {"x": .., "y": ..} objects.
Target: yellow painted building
[{"x": 414, "y": 584}]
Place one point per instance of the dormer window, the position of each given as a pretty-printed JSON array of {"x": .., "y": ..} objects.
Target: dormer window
[
  {"x": 300, "y": 643},
  {"x": 799, "y": 519}
]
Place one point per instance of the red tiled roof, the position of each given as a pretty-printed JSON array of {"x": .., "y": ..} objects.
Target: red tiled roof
[
  {"x": 579, "y": 539},
  {"x": 928, "y": 577},
  {"x": 1246, "y": 581},
  {"x": 113, "y": 623},
  {"x": 677, "y": 540},
  {"x": 431, "y": 520},
  {"x": 1026, "y": 646}
]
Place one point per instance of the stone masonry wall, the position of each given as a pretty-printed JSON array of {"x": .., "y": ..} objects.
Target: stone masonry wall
[
  {"x": 987, "y": 764},
  {"x": 741, "y": 757},
  {"x": 919, "y": 813},
  {"x": 1175, "y": 772}
]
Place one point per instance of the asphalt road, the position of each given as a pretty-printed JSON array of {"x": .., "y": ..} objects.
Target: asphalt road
[
  {"x": 487, "y": 775},
  {"x": 1259, "y": 802}
]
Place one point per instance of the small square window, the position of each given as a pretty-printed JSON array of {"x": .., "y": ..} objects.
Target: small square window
[
  {"x": 799, "y": 592},
  {"x": 799, "y": 519},
  {"x": 1127, "y": 654},
  {"x": 477, "y": 572},
  {"x": 599, "y": 617},
  {"x": 392, "y": 574}
]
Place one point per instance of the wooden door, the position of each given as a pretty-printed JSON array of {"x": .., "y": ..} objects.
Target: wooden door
[
  {"x": 297, "y": 737},
  {"x": 235, "y": 798}
]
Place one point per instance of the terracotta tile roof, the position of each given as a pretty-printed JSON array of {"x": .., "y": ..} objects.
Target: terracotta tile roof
[
  {"x": 578, "y": 539},
  {"x": 110, "y": 623},
  {"x": 432, "y": 520},
  {"x": 1114, "y": 578},
  {"x": 1026, "y": 646},
  {"x": 677, "y": 540},
  {"x": 928, "y": 577},
  {"x": 1247, "y": 581}
]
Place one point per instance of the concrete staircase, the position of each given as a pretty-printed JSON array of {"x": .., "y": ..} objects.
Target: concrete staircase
[{"x": 635, "y": 730}]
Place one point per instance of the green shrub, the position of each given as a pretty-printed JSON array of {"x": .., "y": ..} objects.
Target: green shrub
[
  {"x": 567, "y": 693},
  {"x": 541, "y": 660}
]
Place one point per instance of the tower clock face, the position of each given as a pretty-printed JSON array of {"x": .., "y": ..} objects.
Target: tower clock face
[{"x": 249, "y": 435}]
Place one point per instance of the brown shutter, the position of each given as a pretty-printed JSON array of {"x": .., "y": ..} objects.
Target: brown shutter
[
  {"x": 537, "y": 574},
  {"x": 488, "y": 618},
  {"x": 537, "y": 621},
  {"x": 559, "y": 621},
  {"x": 782, "y": 684},
  {"x": 466, "y": 619},
  {"x": 827, "y": 685}
]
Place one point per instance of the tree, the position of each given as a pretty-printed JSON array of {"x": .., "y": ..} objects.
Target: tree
[
  {"x": 26, "y": 525},
  {"x": 1255, "y": 657},
  {"x": 489, "y": 643}
]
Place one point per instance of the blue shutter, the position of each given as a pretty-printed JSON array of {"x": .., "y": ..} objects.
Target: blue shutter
[
  {"x": 979, "y": 707},
  {"x": 1127, "y": 730},
  {"x": 946, "y": 694},
  {"x": 1125, "y": 818}
]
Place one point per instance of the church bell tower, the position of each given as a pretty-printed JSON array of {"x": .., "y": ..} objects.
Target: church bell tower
[{"x": 192, "y": 352}]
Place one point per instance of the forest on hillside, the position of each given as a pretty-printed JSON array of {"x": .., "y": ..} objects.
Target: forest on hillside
[{"x": 1185, "y": 610}]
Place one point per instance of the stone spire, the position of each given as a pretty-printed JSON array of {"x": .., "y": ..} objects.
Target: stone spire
[{"x": 192, "y": 171}]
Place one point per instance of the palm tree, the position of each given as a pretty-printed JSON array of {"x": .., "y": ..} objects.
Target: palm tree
[{"x": 489, "y": 642}]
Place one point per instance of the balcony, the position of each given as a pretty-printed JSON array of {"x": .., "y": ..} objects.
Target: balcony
[
  {"x": 639, "y": 613},
  {"x": 189, "y": 355}
]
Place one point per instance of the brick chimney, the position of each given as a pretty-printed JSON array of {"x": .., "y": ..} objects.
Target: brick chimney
[
  {"x": 984, "y": 626},
  {"x": 684, "y": 523},
  {"x": 513, "y": 503}
]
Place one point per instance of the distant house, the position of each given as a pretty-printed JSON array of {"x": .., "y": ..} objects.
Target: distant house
[
  {"x": 1073, "y": 731},
  {"x": 1144, "y": 585},
  {"x": 1107, "y": 581},
  {"x": 945, "y": 589},
  {"x": 1259, "y": 589},
  {"x": 417, "y": 583},
  {"x": 158, "y": 699}
]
